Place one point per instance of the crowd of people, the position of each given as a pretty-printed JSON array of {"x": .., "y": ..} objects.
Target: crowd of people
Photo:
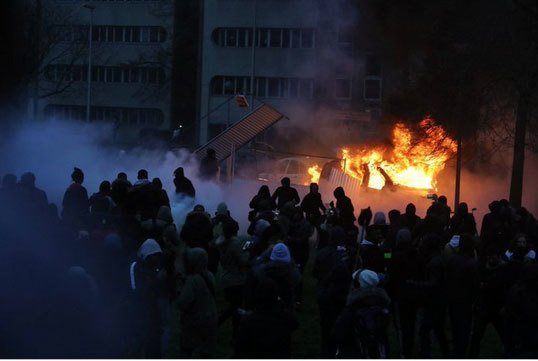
[{"x": 107, "y": 277}]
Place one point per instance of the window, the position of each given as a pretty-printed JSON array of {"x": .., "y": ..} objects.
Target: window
[
  {"x": 153, "y": 34},
  {"x": 344, "y": 38},
  {"x": 275, "y": 38},
  {"x": 273, "y": 87},
  {"x": 265, "y": 37},
  {"x": 372, "y": 88},
  {"x": 118, "y": 33},
  {"x": 295, "y": 38},
  {"x": 343, "y": 88},
  {"x": 149, "y": 116}
]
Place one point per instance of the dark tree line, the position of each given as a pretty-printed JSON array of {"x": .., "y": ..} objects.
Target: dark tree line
[{"x": 473, "y": 66}]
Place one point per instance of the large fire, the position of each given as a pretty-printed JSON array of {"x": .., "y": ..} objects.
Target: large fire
[{"x": 414, "y": 160}]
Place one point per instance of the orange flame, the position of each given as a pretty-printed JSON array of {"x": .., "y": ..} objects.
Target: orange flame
[
  {"x": 414, "y": 161},
  {"x": 315, "y": 172}
]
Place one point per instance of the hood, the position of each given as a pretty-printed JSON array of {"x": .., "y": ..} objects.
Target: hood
[
  {"x": 260, "y": 227},
  {"x": 280, "y": 253},
  {"x": 149, "y": 247},
  {"x": 222, "y": 209},
  {"x": 165, "y": 214},
  {"x": 339, "y": 193},
  {"x": 403, "y": 238},
  {"x": 368, "y": 296},
  {"x": 379, "y": 218},
  {"x": 196, "y": 260},
  {"x": 454, "y": 241}
]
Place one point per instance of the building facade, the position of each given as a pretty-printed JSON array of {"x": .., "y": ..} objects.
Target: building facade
[
  {"x": 298, "y": 56},
  {"x": 131, "y": 63}
]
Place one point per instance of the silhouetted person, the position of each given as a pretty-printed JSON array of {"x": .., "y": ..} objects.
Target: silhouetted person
[
  {"x": 312, "y": 204},
  {"x": 256, "y": 201},
  {"x": 183, "y": 184},
  {"x": 285, "y": 193},
  {"x": 197, "y": 230},
  {"x": 344, "y": 207},
  {"x": 120, "y": 187},
  {"x": 409, "y": 219},
  {"x": 144, "y": 197},
  {"x": 33, "y": 200},
  {"x": 463, "y": 221},
  {"x": 75, "y": 203},
  {"x": 101, "y": 204},
  {"x": 161, "y": 196},
  {"x": 209, "y": 166}
]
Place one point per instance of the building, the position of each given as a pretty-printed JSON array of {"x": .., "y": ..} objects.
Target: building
[
  {"x": 304, "y": 62},
  {"x": 130, "y": 72}
]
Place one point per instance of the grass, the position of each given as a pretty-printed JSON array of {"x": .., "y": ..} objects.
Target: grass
[{"x": 306, "y": 339}]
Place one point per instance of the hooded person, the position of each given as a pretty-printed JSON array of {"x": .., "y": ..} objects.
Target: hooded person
[
  {"x": 344, "y": 207},
  {"x": 463, "y": 221},
  {"x": 266, "y": 332},
  {"x": 312, "y": 204},
  {"x": 284, "y": 194},
  {"x": 234, "y": 263},
  {"x": 183, "y": 184},
  {"x": 410, "y": 219},
  {"x": 119, "y": 190},
  {"x": 255, "y": 202},
  {"x": 76, "y": 206},
  {"x": 332, "y": 268},
  {"x": 147, "y": 278},
  {"x": 371, "y": 248},
  {"x": 197, "y": 307},
  {"x": 101, "y": 205},
  {"x": 361, "y": 329},
  {"x": 284, "y": 272}
]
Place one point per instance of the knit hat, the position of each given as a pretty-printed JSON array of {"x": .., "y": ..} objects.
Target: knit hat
[
  {"x": 280, "y": 253},
  {"x": 149, "y": 247},
  {"x": 454, "y": 241},
  {"x": 366, "y": 278},
  {"x": 379, "y": 218}
]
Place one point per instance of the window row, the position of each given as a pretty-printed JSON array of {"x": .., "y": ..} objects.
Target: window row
[
  {"x": 265, "y": 37},
  {"x": 106, "y": 74},
  {"x": 109, "y": 33},
  {"x": 263, "y": 87},
  {"x": 110, "y": 0},
  {"x": 140, "y": 116}
]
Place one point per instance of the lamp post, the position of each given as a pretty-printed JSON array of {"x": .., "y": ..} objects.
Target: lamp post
[
  {"x": 88, "y": 100},
  {"x": 253, "y": 55}
]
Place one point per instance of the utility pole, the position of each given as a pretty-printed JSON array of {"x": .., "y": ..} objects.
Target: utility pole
[
  {"x": 253, "y": 56},
  {"x": 88, "y": 100}
]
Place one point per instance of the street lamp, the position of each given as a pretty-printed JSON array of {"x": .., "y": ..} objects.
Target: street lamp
[{"x": 88, "y": 100}]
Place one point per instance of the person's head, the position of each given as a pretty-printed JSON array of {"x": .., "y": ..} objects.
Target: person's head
[
  {"x": 410, "y": 210},
  {"x": 280, "y": 253},
  {"x": 442, "y": 200},
  {"x": 149, "y": 251},
  {"x": 403, "y": 238},
  {"x": 519, "y": 246},
  {"x": 365, "y": 278},
  {"x": 222, "y": 210},
  {"x": 142, "y": 174},
  {"x": 339, "y": 193},
  {"x": 493, "y": 258},
  {"x": 285, "y": 182},
  {"x": 104, "y": 187},
  {"x": 179, "y": 172},
  {"x": 394, "y": 217},
  {"x": 494, "y": 206},
  {"x": 198, "y": 208},
  {"x": 77, "y": 176},
  {"x": 260, "y": 227},
  {"x": 264, "y": 192},
  {"x": 9, "y": 181},
  {"x": 463, "y": 209},
  {"x": 211, "y": 153},
  {"x": 122, "y": 176},
  {"x": 157, "y": 183},
  {"x": 379, "y": 218},
  {"x": 229, "y": 228},
  {"x": 314, "y": 188},
  {"x": 28, "y": 179}
]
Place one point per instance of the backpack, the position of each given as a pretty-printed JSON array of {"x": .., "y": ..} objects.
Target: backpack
[{"x": 370, "y": 330}]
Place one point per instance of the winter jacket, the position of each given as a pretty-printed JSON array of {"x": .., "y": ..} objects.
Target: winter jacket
[
  {"x": 197, "y": 305},
  {"x": 76, "y": 206},
  {"x": 234, "y": 262},
  {"x": 184, "y": 186},
  {"x": 285, "y": 275},
  {"x": 311, "y": 205},
  {"x": 363, "y": 305},
  {"x": 197, "y": 230},
  {"x": 333, "y": 271},
  {"x": 285, "y": 195}
]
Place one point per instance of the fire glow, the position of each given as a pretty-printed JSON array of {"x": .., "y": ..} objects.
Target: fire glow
[{"x": 413, "y": 161}]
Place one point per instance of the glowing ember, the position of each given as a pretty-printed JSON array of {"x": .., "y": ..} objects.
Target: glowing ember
[
  {"x": 315, "y": 172},
  {"x": 414, "y": 160}
]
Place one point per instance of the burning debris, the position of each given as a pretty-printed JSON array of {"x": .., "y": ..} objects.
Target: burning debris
[{"x": 414, "y": 160}]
